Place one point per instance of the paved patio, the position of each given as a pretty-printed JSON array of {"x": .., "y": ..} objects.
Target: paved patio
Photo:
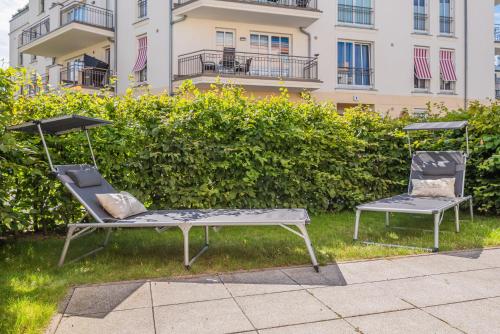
[{"x": 444, "y": 293}]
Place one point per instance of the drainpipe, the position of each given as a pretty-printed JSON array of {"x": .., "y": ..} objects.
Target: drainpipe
[
  {"x": 171, "y": 46},
  {"x": 115, "y": 67},
  {"x": 466, "y": 55},
  {"x": 309, "y": 42}
]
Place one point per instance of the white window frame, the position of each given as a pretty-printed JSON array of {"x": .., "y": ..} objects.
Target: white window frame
[
  {"x": 353, "y": 23},
  {"x": 452, "y": 16},
  {"x": 444, "y": 84},
  {"x": 370, "y": 62},
  {"x": 269, "y": 42},
  {"x": 426, "y": 82},
  {"x": 225, "y": 31},
  {"x": 427, "y": 17},
  {"x": 140, "y": 15}
]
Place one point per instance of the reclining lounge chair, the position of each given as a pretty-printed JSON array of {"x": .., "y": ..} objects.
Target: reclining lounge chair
[
  {"x": 427, "y": 166},
  {"x": 163, "y": 219}
]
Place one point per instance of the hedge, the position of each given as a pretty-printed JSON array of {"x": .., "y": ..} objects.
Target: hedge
[{"x": 221, "y": 148}]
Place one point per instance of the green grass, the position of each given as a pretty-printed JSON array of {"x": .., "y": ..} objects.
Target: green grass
[{"x": 31, "y": 285}]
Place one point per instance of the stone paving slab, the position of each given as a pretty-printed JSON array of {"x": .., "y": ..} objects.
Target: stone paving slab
[
  {"x": 407, "y": 322},
  {"x": 123, "y": 322},
  {"x": 259, "y": 282},
  {"x": 445, "y": 293},
  {"x": 359, "y": 299},
  {"x": 475, "y": 317},
  {"x": 216, "y": 316},
  {"x": 284, "y": 308},
  {"x": 323, "y": 327}
]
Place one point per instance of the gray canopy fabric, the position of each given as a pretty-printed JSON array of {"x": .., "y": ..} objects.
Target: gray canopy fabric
[
  {"x": 436, "y": 126},
  {"x": 59, "y": 125}
]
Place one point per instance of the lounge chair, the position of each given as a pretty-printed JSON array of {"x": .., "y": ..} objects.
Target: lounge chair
[
  {"x": 162, "y": 219},
  {"x": 427, "y": 166}
]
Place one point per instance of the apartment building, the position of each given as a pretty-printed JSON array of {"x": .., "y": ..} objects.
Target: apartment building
[{"x": 390, "y": 55}]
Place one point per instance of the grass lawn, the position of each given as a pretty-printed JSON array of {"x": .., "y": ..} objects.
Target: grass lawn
[{"x": 31, "y": 285}]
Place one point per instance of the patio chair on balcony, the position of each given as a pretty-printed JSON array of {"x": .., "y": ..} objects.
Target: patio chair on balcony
[
  {"x": 228, "y": 61},
  {"x": 207, "y": 66},
  {"x": 245, "y": 68},
  {"x": 302, "y": 3}
]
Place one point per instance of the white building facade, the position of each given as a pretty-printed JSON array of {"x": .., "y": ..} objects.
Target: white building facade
[{"x": 391, "y": 55}]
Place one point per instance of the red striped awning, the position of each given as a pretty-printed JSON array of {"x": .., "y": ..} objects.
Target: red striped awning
[
  {"x": 447, "y": 65},
  {"x": 422, "y": 66},
  {"x": 142, "y": 55}
]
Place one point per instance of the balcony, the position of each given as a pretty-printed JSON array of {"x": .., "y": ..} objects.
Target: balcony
[
  {"x": 354, "y": 77},
  {"x": 286, "y": 13},
  {"x": 355, "y": 15},
  {"x": 252, "y": 70},
  {"x": 85, "y": 78},
  {"x": 67, "y": 29}
]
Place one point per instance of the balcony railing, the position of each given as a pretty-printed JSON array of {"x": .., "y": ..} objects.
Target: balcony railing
[
  {"x": 303, "y": 4},
  {"x": 355, "y": 14},
  {"x": 354, "y": 76},
  {"x": 87, "y": 77},
  {"x": 446, "y": 25},
  {"x": 34, "y": 32},
  {"x": 38, "y": 84},
  {"x": 420, "y": 22},
  {"x": 87, "y": 14},
  {"x": 497, "y": 32},
  {"x": 244, "y": 64}
]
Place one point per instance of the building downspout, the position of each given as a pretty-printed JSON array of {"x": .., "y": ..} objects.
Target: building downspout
[
  {"x": 171, "y": 47},
  {"x": 309, "y": 42},
  {"x": 115, "y": 67},
  {"x": 466, "y": 55}
]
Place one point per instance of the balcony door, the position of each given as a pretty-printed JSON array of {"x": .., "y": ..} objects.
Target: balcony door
[
  {"x": 73, "y": 69},
  {"x": 354, "y": 64},
  {"x": 273, "y": 54},
  {"x": 355, "y": 11}
]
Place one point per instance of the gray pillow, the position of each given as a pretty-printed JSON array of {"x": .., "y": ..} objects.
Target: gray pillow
[
  {"x": 439, "y": 168},
  {"x": 84, "y": 178}
]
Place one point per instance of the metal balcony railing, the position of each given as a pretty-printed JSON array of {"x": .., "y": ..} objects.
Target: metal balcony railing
[
  {"x": 497, "y": 32},
  {"x": 446, "y": 25},
  {"x": 354, "y": 76},
  {"x": 34, "y": 32},
  {"x": 355, "y": 14},
  {"x": 87, "y": 14},
  {"x": 420, "y": 22},
  {"x": 86, "y": 77},
  {"x": 302, "y": 4},
  {"x": 241, "y": 64}
]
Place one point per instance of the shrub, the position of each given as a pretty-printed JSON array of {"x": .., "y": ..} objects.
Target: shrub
[{"x": 220, "y": 148}]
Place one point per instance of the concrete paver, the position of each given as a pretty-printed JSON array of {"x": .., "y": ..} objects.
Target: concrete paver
[
  {"x": 324, "y": 327},
  {"x": 445, "y": 293},
  {"x": 408, "y": 322},
  {"x": 284, "y": 308},
  {"x": 481, "y": 316},
  {"x": 259, "y": 282},
  {"x": 123, "y": 322},
  {"x": 216, "y": 316},
  {"x": 359, "y": 299}
]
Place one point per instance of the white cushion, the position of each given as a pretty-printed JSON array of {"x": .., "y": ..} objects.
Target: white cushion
[
  {"x": 433, "y": 188},
  {"x": 120, "y": 205}
]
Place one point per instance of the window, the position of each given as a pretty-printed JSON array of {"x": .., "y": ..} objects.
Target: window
[
  {"x": 420, "y": 16},
  {"x": 353, "y": 64},
  {"x": 41, "y": 6},
  {"x": 21, "y": 59},
  {"x": 141, "y": 64},
  {"x": 142, "y": 6},
  {"x": 420, "y": 112},
  {"x": 271, "y": 44},
  {"x": 355, "y": 12},
  {"x": 446, "y": 21},
  {"x": 107, "y": 55},
  {"x": 447, "y": 69},
  {"x": 422, "y": 69},
  {"x": 224, "y": 39}
]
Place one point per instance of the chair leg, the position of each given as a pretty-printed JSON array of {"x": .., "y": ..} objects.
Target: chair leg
[
  {"x": 71, "y": 229},
  {"x": 457, "y": 218},
  {"x": 356, "y": 224},
  {"x": 436, "y": 232},
  {"x": 310, "y": 249},
  {"x": 108, "y": 234},
  {"x": 185, "y": 232},
  {"x": 387, "y": 219}
]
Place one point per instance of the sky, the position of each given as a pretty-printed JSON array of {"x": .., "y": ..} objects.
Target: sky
[{"x": 9, "y": 7}]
